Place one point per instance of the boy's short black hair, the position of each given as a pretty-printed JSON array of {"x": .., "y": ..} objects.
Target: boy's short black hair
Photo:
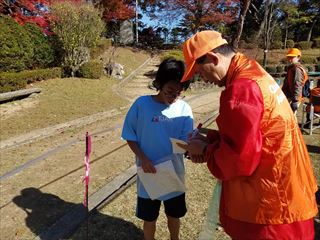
[{"x": 169, "y": 70}]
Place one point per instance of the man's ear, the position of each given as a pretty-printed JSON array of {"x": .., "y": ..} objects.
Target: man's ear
[{"x": 213, "y": 57}]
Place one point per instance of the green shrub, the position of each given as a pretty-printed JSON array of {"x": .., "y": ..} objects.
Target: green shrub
[
  {"x": 8, "y": 84},
  {"x": 271, "y": 69},
  {"x": 280, "y": 69},
  {"x": 16, "y": 48},
  {"x": 316, "y": 42},
  {"x": 11, "y": 81},
  {"x": 308, "y": 59},
  {"x": 43, "y": 53},
  {"x": 277, "y": 45},
  {"x": 273, "y": 61},
  {"x": 177, "y": 54},
  {"x": 304, "y": 45},
  {"x": 290, "y": 43},
  {"x": 78, "y": 27},
  {"x": 310, "y": 68},
  {"x": 317, "y": 67},
  {"x": 90, "y": 69}
]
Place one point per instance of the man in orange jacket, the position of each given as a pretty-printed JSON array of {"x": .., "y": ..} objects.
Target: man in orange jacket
[
  {"x": 268, "y": 185},
  {"x": 295, "y": 79}
]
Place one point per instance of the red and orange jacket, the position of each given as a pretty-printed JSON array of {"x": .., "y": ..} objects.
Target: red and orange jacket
[
  {"x": 259, "y": 153},
  {"x": 294, "y": 82}
]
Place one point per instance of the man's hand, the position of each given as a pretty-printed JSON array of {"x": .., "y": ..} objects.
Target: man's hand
[
  {"x": 195, "y": 150},
  {"x": 294, "y": 106}
]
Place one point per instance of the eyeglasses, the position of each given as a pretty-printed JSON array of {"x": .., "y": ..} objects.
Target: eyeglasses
[{"x": 201, "y": 59}]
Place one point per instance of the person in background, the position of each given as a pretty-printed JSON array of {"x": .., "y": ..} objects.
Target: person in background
[
  {"x": 268, "y": 185},
  {"x": 295, "y": 79},
  {"x": 314, "y": 93},
  {"x": 149, "y": 124}
]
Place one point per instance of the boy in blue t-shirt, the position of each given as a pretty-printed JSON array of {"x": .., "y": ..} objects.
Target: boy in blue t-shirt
[{"x": 150, "y": 123}]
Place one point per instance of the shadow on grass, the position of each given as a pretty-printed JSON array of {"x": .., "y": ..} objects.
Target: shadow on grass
[
  {"x": 50, "y": 217},
  {"x": 313, "y": 149}
]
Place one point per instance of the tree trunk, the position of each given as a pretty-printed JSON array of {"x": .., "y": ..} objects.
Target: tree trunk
[
  {"x": 310, "y": 30},
  {"x": 268, "y": 33},
  {"x": 286, "y": 37},
  {"x": 243, "y": 13},
  {"x": 263, "y": 23}
]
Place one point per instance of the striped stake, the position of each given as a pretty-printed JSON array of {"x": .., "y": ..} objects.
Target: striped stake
[{"x": 86, "y": 179}]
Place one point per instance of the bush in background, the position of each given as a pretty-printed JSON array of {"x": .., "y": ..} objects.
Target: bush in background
[
  {"x": 310, "y": 68},
  {"x": 317, "y": 67},
  {"x": 316, "y": 42},
  {"x": 11, "y": 81},
  {"x": 290, "y": 43},
  {"x": 280, "y": 69},
  {"x": 91, "y": 69},
  {"x": 16, "y": 48},
  {"x": 277, "y": 45},
  {"x": 304, "y": 45},
  {"x": 308, "y": 59},
  {"x": 271, "y": 69},
  {"x": 177, "y": 54},
  {"x": 78, "y": 27},
  {"x": 43, "y": 53}
]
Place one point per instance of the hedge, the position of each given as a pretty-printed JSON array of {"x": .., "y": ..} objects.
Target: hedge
[
  {"x": 16, "y": 48},
  {"x": 277, "y": 45},
  {"x": 11, "y": 81},
  {"x": 23, "y": 47},
  {"x": 177, "y": 54},
  {"x": 316, "y": 42},
  {"x": 308, "y": 59},
  {"x": 304, "y": 45},
  {"x": 90, "y": 69},
  {"x": 271, "y": 69},
  {"x": 43, "y": 52},
  {"x": 290, "y": 43}
]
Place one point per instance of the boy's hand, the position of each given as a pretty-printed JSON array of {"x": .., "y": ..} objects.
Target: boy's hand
[{"x": 147, "y": 166}]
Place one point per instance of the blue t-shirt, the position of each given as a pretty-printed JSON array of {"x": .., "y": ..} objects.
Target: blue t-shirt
[{"x": 151, "y": 124}]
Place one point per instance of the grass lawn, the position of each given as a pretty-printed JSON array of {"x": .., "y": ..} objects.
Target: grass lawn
[{"x": 66, "y": 99}]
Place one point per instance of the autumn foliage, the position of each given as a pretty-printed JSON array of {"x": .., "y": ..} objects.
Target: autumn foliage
[
  {"x": 115, "y": 10},
  {"x": 27, "y": 11}
]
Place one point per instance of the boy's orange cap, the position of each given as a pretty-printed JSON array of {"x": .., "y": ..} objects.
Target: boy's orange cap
[
  {"x": 293, "y": 52},
  {"x": 197, "y": 46}
]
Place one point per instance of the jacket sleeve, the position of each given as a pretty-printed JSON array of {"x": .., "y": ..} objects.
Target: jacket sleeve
[
  {"x": 237, "y": 149},
  {"x": 285, "y": 87},
  {"x": 298, "y": 77}
]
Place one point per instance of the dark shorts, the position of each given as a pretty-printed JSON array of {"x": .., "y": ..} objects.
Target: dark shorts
[{"x": 148, "y": 210}]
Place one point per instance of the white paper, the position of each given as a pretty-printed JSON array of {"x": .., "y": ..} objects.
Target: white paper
[
  {"x": 164, "y": 181},
  {"x": 175, "y": 147}
]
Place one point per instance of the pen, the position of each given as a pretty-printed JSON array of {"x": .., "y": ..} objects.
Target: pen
[{"x": 196, "y": 131}]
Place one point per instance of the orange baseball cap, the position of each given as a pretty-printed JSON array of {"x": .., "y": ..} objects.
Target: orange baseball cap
[
  {"x": 197, "y": 46},
  {"x": 293, "y": 52}
]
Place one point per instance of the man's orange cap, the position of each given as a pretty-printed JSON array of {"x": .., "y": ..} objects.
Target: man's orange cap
[
  {"x": 197, "y": 46},
  {"x": 293, "y": 52}
]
